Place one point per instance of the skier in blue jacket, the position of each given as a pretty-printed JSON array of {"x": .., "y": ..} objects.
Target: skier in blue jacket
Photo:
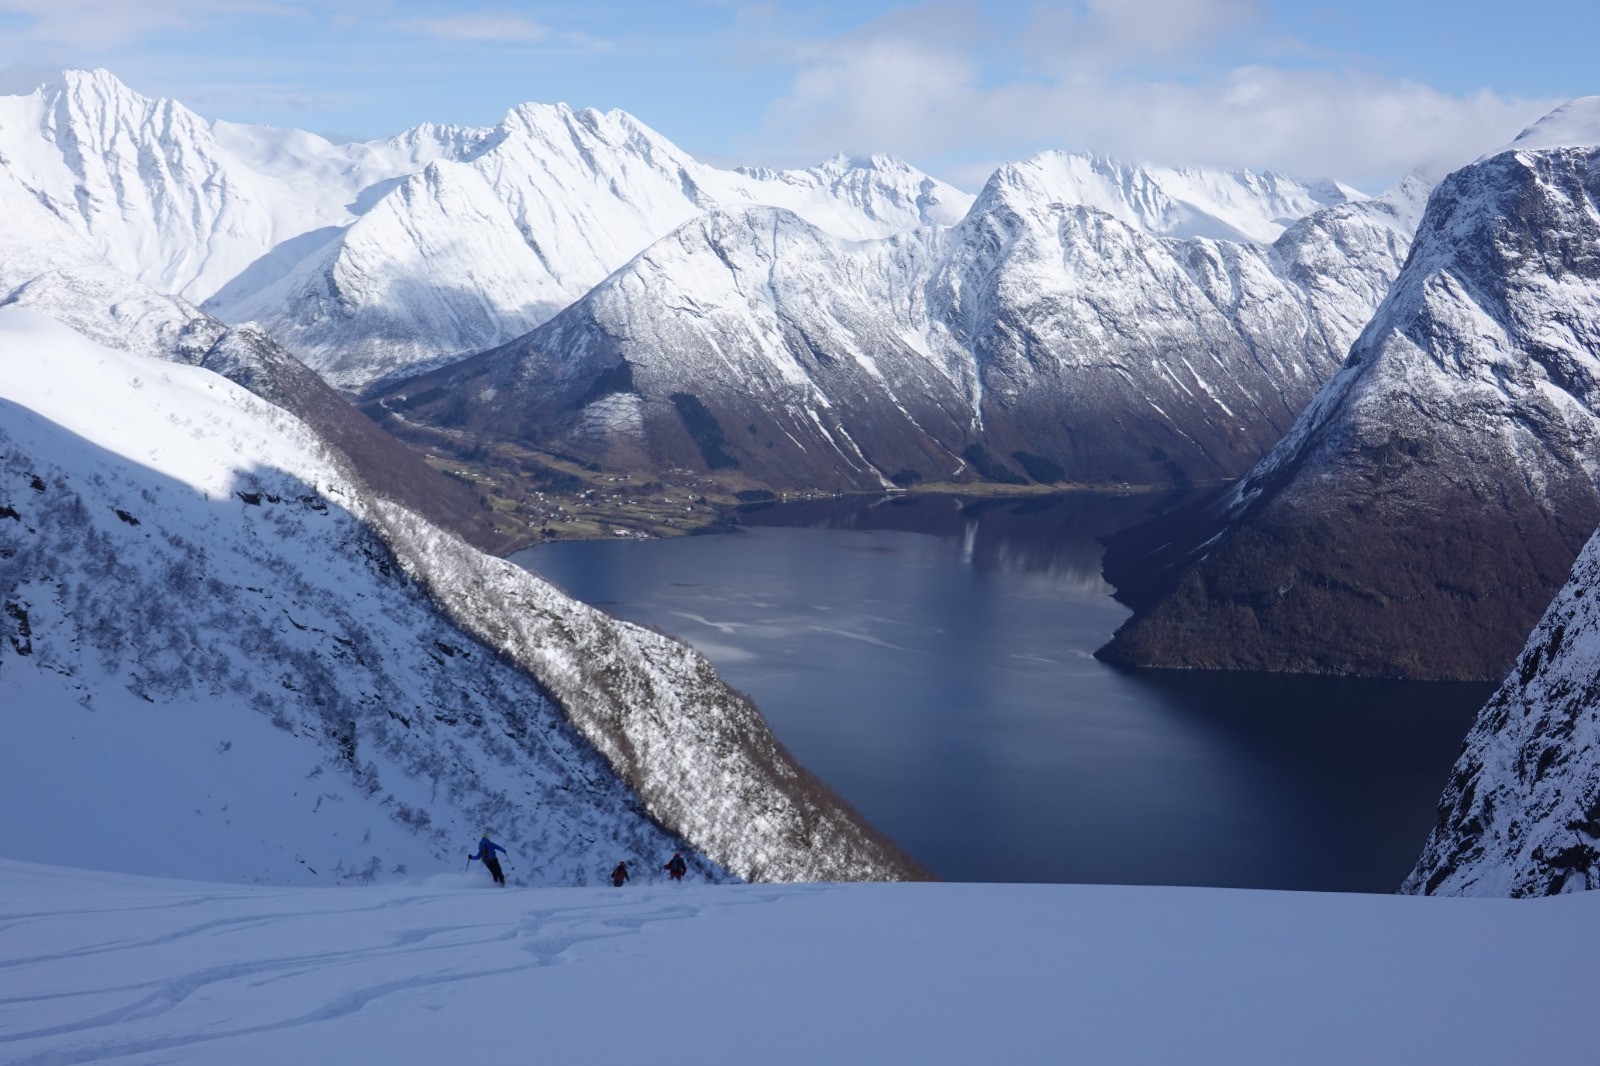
[{"x": 486, "y": 850}]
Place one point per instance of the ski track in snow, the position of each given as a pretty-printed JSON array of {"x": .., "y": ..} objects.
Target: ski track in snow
[
  {"x": 98, "y": 967},
  {"x": 265, "y": 947}
]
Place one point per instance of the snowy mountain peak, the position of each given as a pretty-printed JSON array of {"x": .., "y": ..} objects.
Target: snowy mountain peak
[
  {"x": 579, "y": 134},
  {"x": 1329, "y": 191},
  {"x": 844, "y": 163},
  {"x": 96, "y": 105},
  {"x": 1575, "y": 124},
  {"x": 525, "y": 222}
]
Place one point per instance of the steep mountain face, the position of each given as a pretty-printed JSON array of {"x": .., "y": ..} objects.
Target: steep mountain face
[
  {"x": 1416, "y": 520},
  {"x": 183, "y": 207},
  {"x": 729, "y": 345},
  {"x": 1124, "y": 357},
  {"x": 467, "y": 255},
  {"x": 1521, "y": 814},
  {"x": 188, "y": 573},
  {"x": 1035, "y": 339}
]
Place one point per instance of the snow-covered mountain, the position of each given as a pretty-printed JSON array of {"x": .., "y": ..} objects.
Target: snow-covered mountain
[
  {"x": 190, "y": 577},
  {"x": 184, "y": 206},
  {"x": 1237, "y": 205},
  {"x": 1035, "y": 338},
  {"x": 1521, "y": 813},
  {"x": 1575, "y": 124},
  {"x": 467, "y": 255},
  {"x": 1418, "y": 517},
  {"x": 438, "y": 241}
]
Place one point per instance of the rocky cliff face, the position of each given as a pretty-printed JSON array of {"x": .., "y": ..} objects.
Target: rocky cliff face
[
  {"x": 1521, "y": 813},
  {"x": 1419, "y": 515},
  {"x": 1035, "y": 340}
]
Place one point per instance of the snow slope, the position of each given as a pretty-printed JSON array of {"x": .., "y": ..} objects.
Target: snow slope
[
  {"x": 111, "y": 968},
  {"x": 190, "y": 579},
  {"x": 1575, "y": 124}
]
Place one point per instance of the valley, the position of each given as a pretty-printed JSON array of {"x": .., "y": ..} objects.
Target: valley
[
  {"x": 800, "y": 531},
  {"x": 296, "y": 398}
]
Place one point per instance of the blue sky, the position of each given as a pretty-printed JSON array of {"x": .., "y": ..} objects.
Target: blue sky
[{"x": 1362, "y": 90}]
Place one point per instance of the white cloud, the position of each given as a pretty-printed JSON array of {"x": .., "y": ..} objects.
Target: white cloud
[
  {"x": 503, "y": 27},
  {"x": 100, "y": 24},
  {"x": 1150, "y": 80}
]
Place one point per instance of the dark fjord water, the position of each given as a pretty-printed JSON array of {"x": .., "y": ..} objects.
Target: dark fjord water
[{"x": 931, "y": 659}]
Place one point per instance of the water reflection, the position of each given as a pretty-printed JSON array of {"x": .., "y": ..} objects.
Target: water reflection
[
  {"x": 1056, "y": 536},
  {"x": 932, "y": 659}
]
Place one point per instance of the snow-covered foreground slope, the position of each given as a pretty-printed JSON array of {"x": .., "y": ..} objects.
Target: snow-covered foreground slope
[
  {"x": 110, "y": 968},
  {"x": 211, "y": 668},
  {"x": 219, "y": 657}
]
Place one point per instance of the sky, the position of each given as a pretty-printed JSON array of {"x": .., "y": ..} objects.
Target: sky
[{"x": 1362, "y": 91}]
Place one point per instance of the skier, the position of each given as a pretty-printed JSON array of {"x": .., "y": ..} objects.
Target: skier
[
  {"x": 620, "y": 874},
  {"x": 486, "y": 850},
  {"x": 677, "y": 867}
]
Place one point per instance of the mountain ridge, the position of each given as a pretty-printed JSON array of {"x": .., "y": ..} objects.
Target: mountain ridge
[
  {"x": 754, "y": 344},
  {"x": 1419, "y": 515}
]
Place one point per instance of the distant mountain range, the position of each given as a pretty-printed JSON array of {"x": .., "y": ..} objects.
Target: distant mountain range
[
  {"x": 1407, "y": 383},
  {"x": 1083, "y": 320},
  {"x": 1038, "y": 339}
]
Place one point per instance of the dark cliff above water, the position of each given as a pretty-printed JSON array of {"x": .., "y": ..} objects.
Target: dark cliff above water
[{"x": 1419, "y": 516}]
